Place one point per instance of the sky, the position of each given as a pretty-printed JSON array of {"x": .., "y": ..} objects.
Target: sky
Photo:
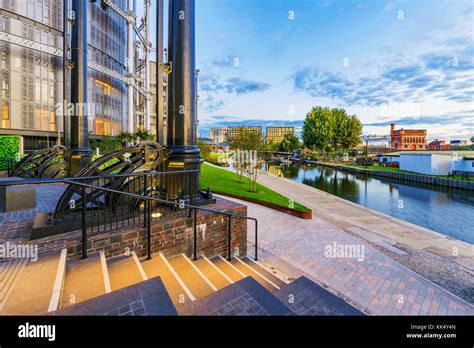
[{"x": 270, "y": 61}]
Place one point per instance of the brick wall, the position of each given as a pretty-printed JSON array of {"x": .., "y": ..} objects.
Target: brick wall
[{"x": 170, "y": 236}]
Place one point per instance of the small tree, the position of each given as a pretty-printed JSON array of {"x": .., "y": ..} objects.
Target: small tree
[
  {"x": 204, "y": 148},
  {"x": 247, "y": 161}
]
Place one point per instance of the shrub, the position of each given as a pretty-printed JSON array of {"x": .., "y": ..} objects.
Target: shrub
[{"x": 9, "y": 148}]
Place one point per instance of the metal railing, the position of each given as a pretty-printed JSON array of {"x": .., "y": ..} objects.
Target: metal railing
[{"x": 103, "y": 209}]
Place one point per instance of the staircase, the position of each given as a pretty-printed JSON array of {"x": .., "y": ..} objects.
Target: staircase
[{"x": 164, "y": 285}]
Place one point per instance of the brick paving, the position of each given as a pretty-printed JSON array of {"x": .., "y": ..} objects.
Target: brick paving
[
  {"x": 376, "y": 283},
  {"x": 15, "y": 226}
]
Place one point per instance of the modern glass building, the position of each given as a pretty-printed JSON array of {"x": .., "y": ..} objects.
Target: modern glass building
[
  {"x": 31, "y": 70},
  {"x": 277, "y": 134},
  {"x": 233, "y": 131}
]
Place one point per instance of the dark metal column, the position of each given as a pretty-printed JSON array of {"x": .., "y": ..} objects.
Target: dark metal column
[
  {"x": 181, "y": 137},
  {"x": 66, "y": 116},
  {"x": 160, "y": 134},
  {"x": 80, "y": 151}
]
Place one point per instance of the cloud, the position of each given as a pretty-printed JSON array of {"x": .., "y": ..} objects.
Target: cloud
[
  {"x": 388, "y": 7},
  {"x": 211, "y": 104},
  {"x": 234, "y": 85},
  {"x": 431, "y": 75},
  {"x": 226, "y": 62},
  {"x": 462, "y": 118}
]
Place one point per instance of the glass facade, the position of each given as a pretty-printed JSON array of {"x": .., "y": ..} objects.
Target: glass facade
[
  {"x": 277, "y": 134},
  {"x": 32, "y": 81}
]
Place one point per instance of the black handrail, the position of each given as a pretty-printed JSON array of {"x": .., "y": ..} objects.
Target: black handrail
[
  {"x": 179, "y": 204},
  {"x": 60, "y": 180},
  {"x": 147, "y": 199}
]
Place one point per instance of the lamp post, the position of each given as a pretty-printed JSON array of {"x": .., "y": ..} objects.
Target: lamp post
[{"x": 80, "y": 151}]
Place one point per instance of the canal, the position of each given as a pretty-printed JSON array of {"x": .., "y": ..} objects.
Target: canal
[{"x": 447, "y": 211}]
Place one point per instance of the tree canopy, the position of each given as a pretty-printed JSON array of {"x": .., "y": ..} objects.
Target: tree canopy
[{"x": 328, "y": 129}]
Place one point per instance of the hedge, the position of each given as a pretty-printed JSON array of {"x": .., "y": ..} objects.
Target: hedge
[{"x": 9, "y": 148}]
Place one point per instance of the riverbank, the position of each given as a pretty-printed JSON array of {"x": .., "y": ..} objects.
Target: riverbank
[
  {"x": 413, "y": 177},
  {"x": 446, "y": 261}
]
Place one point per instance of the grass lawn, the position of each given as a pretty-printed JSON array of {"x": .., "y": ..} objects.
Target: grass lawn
[{"x": 224, "y": 181}]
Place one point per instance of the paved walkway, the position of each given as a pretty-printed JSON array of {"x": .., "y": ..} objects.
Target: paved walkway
[
  {"x": 371, "y": 225},
  {"x": 375, "y": 282}
]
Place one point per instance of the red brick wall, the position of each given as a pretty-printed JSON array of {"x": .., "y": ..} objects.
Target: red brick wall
[{"x": 170, "y": 236}]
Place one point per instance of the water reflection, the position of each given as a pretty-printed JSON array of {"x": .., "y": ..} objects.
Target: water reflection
[{"x": 448, "y": 211}]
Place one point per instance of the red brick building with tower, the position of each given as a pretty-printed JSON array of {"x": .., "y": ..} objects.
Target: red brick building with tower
[{"x": 407, "y": 139}]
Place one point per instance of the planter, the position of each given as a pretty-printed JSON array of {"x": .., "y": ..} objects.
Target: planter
[{"x": 298, "y": 213}]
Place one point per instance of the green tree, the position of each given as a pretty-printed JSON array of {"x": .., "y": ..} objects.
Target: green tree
[
  {"x": 353, "y": 133},
  {"x": 290, "y": 143},
  {"x": 317, "y": 129},
  {"x": 205, "y": 148},
  {"x": 340, "y": 128}
]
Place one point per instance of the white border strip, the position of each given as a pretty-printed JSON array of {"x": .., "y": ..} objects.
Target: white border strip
[
  {"x": 218, "y": 270},
  {"x": 260, "y": 264},
  {"x": 232, "y": 266},
  {"x": 200, "y": 273},
  {"x": 258, "y": 273},
  {"x": 139, "y": 266},
  {"x": 177, "y": 277},
  {"x": 105, "y": 272},
  {"x": 58, "y": 282}
]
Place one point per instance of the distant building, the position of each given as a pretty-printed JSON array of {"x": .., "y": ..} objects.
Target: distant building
[
  {"x": 437, "y": 162},
  {"x": 458, "y": 142},
  {"x": 439, "y": 145},
  {"x": 218, "y": 135},
  {"x": 407, "y": 139},
  {"x": 277, "y": 134},
  {"x": 233, "y": 131}
]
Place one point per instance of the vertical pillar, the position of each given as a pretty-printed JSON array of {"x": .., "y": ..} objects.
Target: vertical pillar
[
  {"x": 66, "y": 57},
  {"x": 80, "y": 151},
  {"x": 130, "y": 67},
  {"x": 181, "y": 133},
  {"x": 160, "y": 130},
  {"x": 147, "y": 65},
  {"x": 181, "y": 137}
]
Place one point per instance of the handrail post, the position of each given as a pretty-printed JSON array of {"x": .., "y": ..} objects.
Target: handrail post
[
  {"x": 256, "y": 240},
  {"x": 229, "y": 237},
  {"x": 145, "y": 187},
  {"x": 149, "y": 205},
  {"x": 195, "y": 234},
  {"x": 84, "y": 224}
]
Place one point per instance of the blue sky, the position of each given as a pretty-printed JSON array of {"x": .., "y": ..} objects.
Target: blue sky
[{"x": 272, "y": 60}]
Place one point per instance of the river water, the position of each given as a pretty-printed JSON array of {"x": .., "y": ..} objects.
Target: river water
[{"x": 448, "y": 211}]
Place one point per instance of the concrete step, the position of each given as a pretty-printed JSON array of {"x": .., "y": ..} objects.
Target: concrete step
[
  {"x": 177, "y": 290},
  {"x": 192, "y": 276},
  {"x": 85, "y": 279},
  {"x": 125, "y": 271},
  {"x": 246, "y": 269},
  {"x": 267, "y": 273},
  {"x": 32, "y": 291},
  {"x": 148, "y": 297},
  {"x": 213, "y": 273},
  {"x": 228, "y": 268},
  {"x": 246, "y": 297},
  {"x": 304, "y": 297},
  {"x": 9, "y": 272}
]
